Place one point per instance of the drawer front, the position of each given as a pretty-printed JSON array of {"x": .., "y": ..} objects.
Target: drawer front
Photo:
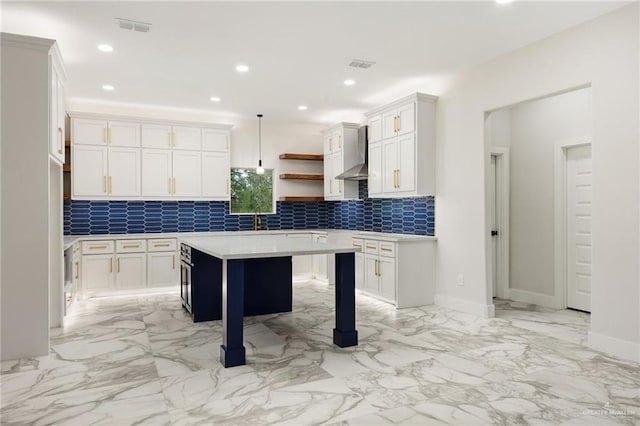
[
  {"x": 358, "y": 242},
  {"x": 97, "y": 247},
  {"x": 162, "y": 244},
  {"x": 370, "y": 247},
  {"x": 131, "y": 246},
  {"x": 387, "y": 249}
]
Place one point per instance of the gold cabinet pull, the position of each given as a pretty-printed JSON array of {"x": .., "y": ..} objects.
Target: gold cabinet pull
[
  {"x": 174, "y": 186},
  {"x": 227, "y": 188},
  {"x": 131, "y": 246},
  {"x": 109, "y": 135},
  {"x": 174, "y": 261},
  {"x": 60, "y": 141},
  {"x": 169, "y": 137},
  {"x": 330, "y": 186},
  {"x": 169, "y": 185},
  {"x": 330, "y": 144},
  {"x": 118, "y": 265},
  {"x": 98, "y": 247},
  {"x": 395, "y": 124},
  {"x": 77, "y": 270},
  {"x": 173, "y": 139},
  {"x": 339, "y": 141},
  {"x": 398, "y": 175},
  {"x": 226, "y": 138},
  {"x": 399, "y": 123},
  {"x": 104, "y": 184},
  {"x": 104, "y": 135},
  {"x": 385, "y": 249},
  {"x": 110, "y": 265},
  {"x": 371, "y": 247},
  {"x": 110, "y": 184},
  {"x": 161, "y": 244},
  {"x": 341, "y": 183}
]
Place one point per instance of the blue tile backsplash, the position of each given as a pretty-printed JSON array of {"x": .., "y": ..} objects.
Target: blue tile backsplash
[{"x": 400, "y": 215}]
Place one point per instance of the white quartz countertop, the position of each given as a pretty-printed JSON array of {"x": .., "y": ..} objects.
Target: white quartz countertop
[{"x": 251, "y": 247}]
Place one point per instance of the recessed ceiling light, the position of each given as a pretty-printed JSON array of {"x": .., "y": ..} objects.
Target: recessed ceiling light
[
  {"x": 108, "y": 87},
  {"x": 503, "y": 1},
  {"x": 242, "y": 68},
  {"x": 215, "y": 99},
  {"x": 105, "y": 48},
  {"x": 349, "y": 82},
  {"x": 302, "y": 107}
]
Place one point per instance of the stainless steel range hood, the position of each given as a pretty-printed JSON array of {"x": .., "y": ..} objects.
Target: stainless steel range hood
[{"x": 360, "y": 171}]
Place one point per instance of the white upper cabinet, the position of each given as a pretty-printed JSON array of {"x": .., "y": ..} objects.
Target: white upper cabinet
[
  {"x": 174, "y": 161},
  {"x": 103, "y": 132},
  {"x": 56, "y": 107},
  {"x": 402, "y": 160},
  {"x": 333, "y": 140},
  {"x": 215, "y": 140},
  {"x": 374, "y": 128},
  {"x": 341, "y": 153}
]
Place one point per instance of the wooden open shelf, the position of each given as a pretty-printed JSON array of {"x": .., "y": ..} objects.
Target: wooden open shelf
[
  {"x": 66, "y": 168},
  {"x": 310, "y": 157},
  {"x": 66, "y": 197},
  {"x": 302, "y": 176},
  {"x": 300, "y": 198},
  {"x": 67, "y": 143}
]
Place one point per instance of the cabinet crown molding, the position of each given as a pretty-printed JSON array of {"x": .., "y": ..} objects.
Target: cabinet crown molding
[
  {"x": 415, "y": 97},
  {"x": 341, "y": 125},
  {"x": 146, "y": 120}
]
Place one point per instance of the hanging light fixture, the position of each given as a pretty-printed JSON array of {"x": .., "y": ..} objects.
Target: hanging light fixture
[{"x": 260, "y": 169}]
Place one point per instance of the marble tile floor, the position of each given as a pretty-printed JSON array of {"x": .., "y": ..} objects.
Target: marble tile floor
[{"x": 140, "y": 360}]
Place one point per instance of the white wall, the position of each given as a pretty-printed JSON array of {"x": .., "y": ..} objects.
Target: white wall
[
  {"x": 25, "y": 200},
  {"x": 536, "y": 127},
  {"x": 603, "y": 53}
]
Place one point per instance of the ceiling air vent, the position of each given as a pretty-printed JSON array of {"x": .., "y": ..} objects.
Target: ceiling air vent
[
  {"x": 360, "y": 63},
  {"x": 128, "y": 24}
]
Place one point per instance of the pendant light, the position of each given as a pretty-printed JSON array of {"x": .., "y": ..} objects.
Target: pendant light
[{"x": 260, "y": 169}]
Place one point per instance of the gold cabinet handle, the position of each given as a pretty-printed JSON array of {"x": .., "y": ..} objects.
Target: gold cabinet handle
[
  {"x": 330, "y": 144},
  {"x": 104, "y": 184},
  {"x": 110, "y": 265},
  {"x": 226, "y": 138},
  {"x": 131, "y": 246},
  {"x": 227, "y": 188},
  {"x": 109, "y": 135},
  {"x": 169, "y": 186},
  {"x": 110, "y": 184},
  {"x": 169, "y": 137},
  {"x": 77, "y": 270},
  {"x": 118, "y": 265},
  {"x": 376, "y": 267},
  {"x": 371, "y": 247},
  {"x": 395, "y": 124},
  {"x": 174, "y": 261},
  {"x": 173, "y": 139},
  {"x": 398, "y": 175},
  {"x": 174, "y": 186},
  {"x": 98, "y": 247},
  {"x": 161, "y": 244},
  {"x": 340, "y": 141},
  {"x": 330, "y": 186},
  {"x": 60, "y": 141},
  {"x": 341, "y": 186},
  {"x": 104, "y": 135},
  {"x": 385, "y": 249},
  {"x": 399, "y": 123}
]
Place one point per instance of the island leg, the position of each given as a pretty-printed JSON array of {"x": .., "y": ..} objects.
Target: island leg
[
  {"x": 345, "y": 333},
  {"x": 232, "y": 352}
]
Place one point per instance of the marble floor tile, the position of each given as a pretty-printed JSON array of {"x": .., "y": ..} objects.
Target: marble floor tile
[{"x": 141, "y": 360}]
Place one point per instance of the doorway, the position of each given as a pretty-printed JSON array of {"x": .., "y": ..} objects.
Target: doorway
[{"x": 498, "y": 191}]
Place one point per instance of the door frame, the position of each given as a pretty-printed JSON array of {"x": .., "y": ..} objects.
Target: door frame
[
  {"x": 502, "y": 154},
  {"x": 560, "y": 213}
]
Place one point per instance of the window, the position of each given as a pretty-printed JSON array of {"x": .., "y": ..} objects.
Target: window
[{"x": 252, "y": 193}]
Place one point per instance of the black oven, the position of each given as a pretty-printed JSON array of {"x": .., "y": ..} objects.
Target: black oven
[{"x": 185, "y": 277}]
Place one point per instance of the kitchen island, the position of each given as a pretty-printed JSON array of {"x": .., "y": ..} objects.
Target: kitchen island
[{"x": 243, "y": 265}]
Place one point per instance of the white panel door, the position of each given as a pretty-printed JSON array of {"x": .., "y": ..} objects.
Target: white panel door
[
  {"x": 124, "y": 172},
  {"x": 215, "y": 175},
  {"x": 123, "y": 133},
  {"x": 162, "y": 269},
  {"x": 131, "y": 270},
  {"x": 187, "y": 174},
  {"x": 97, "y": 272},
  {"x": 406, "y": 122},
  {"x": 375, "y": 169},
  {"x": 406, "y": 174},
  {"x": 389, "y": 165},
  {"x": 337, "y": 141},
  {"x": 371, "y": 283},
  {"x": 89, "y": 171},
  {"x": 189, "y": 138},
  {"x": 388, "y": 124},
  {"x": 374, "y": 129},
  {"x": 386, "y": 272},
  {"x": 578, "y": 208},
  {"x": 89, "y": 132},
  {"x": 156, "y": 136},
  {"x": 215, "y": 140},
  {"x": 336, "y": 169},
  {"x": 156, "y": 173}
]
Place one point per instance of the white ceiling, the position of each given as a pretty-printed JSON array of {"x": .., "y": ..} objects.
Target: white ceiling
[{"x": 298, "y": 52}]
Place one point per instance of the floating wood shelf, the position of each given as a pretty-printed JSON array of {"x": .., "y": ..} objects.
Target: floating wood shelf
[
  {"x": 302, "y": 176},
  {"x": 67, "y": 143},
  {"x": 297, "y": 198},
  {"x": 66, "y": 197},
  {"x": 66, "y": 168},
  {"x": 311, "y": 157}
]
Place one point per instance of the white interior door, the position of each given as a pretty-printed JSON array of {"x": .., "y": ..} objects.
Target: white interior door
[
  {"x": 494, "y": 225},
  {"x": 578, "y": 210}
]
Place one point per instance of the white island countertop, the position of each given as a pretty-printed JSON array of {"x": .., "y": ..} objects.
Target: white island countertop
[{"x": 250, "y": 247}]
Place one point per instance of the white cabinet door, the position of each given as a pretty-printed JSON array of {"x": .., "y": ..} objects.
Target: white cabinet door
[
  {"x": 328, "y": 180},
  {"x": 56, "y": 133},
  {"x": 406, "y": 174},
  {"x": 389, "y": 165},
  {"x": 371, "y": 273},
  {"x": 386, "y": 274},
  {"x": 97, "y": 272},
  {"x": 162, "y": 269},
  {"x": 189, "y": 138},
  {"x": 89, "y": 132},
  {"x": 406, "y": 121},
  {"x": 131, "y": 270},
  {"x": 89, "y": 171},
  {"x": 124, "y": 172},
  {"x": 123, "y": 133},
  {"x": 374, "y": 130},
  {"x": 156, "y": 136},
  {"x": 320, "y": 261},
  {"x": 337, "y": 141},
  {"x": 389, "y": 123},
  {"x": 215, "y": 140},
  {"x": 375, "y": 168},
  {"x": 187, "y": 174},
  {"x": 156, "y": 173},
  {"x": 61, "y": 119},
  {"x": 215, "y": 175},
  {"x": 327, "y": 144}
]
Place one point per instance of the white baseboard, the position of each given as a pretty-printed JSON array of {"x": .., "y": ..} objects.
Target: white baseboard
[
  {"x": 478, "y": 309},
  {"x": 539, "y": 299},
  {"x": 624, "y": 349}
]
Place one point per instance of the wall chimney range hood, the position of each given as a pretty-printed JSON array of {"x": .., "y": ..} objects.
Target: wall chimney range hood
[{"x": 360, "y": 171}]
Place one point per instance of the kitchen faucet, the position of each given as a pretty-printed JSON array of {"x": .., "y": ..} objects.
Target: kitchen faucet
[{"x": 257, "y": 221}]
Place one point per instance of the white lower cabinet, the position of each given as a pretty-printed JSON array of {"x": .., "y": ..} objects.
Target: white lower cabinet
[
  {"x": 162, "y": 269},
  {"x": 320, "y": 261},
  {"x": 401, "y": 272},
  {"x": 302, "y": 266},
  {"x": 97, "y": 272},
  {"x": 131, "y": 270}
]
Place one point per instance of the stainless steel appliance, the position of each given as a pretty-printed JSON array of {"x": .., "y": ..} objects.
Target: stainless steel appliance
[
  {"x": 185, "y": 277},
  {"x": 361, "y": 170}
]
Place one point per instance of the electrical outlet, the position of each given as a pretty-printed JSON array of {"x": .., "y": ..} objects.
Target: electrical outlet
[{"x": 460, "y": 279}]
